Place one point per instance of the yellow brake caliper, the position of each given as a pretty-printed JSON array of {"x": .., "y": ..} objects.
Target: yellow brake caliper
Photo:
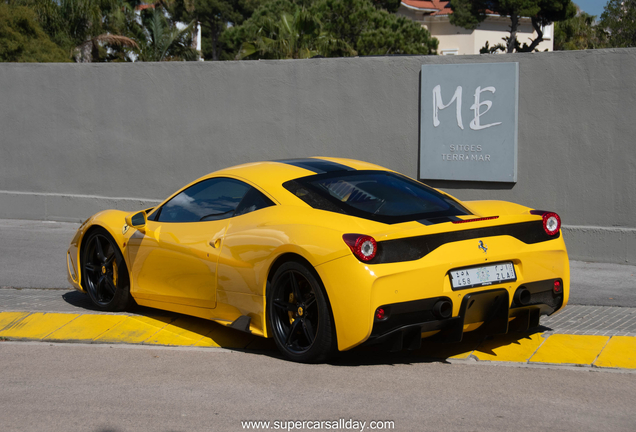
[
  {"x": 115, "y": 273},
  {"x": 290, "y": 313}
]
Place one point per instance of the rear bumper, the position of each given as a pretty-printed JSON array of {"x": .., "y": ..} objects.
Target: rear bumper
[
  {"x": 491, "y": 311},
  {"x": 355, "y": 290}
]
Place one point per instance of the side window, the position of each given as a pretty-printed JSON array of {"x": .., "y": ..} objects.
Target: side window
[
  {"x": 211, "y": 199},
  {"x": 253, "y": 200}
]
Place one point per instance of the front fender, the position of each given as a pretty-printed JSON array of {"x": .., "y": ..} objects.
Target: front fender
[{"x": 112, "y": 221}]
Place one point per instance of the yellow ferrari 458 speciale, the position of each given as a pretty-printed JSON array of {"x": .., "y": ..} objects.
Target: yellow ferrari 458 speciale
[{"x": 324, "y": 254}]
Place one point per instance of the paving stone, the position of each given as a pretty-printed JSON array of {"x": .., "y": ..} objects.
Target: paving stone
[{"x": 601, "y": 320}]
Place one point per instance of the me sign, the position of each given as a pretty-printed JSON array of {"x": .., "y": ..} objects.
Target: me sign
[{"x": 468, "y": 124}]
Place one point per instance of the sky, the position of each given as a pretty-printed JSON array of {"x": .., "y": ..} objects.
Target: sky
[{"x": 592, "y": 7}]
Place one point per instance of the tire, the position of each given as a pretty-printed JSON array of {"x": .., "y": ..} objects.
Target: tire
[
  {"x": 104, "y": 272},
  {"x": 300, "y": 316}
]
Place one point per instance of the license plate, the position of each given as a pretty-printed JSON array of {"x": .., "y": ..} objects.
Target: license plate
[{"x": 470, "y": 277}]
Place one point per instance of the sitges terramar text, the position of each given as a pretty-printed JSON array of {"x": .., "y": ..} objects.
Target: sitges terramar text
[{"x": 465, "y": 156}]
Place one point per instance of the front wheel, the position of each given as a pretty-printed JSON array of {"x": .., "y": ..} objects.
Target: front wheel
[
  {"x": 300, "y": 315},
  {"x": 104, "y": 272}
]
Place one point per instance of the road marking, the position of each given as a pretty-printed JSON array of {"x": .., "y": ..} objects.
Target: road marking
[
  {"x": 620, "y": 352},
  {"x": 570, "y": 349}
]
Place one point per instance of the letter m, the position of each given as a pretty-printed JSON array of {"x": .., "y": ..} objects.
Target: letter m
[{"x": 438, "y": 104}]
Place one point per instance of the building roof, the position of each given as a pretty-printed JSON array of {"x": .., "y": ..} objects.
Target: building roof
[{"x": 435, "y": 7}]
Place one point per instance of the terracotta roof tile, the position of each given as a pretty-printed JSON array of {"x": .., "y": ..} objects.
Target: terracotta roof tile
[
  {"x": 437, "y": 7},
  {"x": 443, "y": 7}
]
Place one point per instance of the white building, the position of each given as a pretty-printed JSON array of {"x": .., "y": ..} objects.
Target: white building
[{"x": 434, "y": 16}]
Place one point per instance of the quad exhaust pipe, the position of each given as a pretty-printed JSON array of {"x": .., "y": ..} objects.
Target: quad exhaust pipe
[
  {"x": 443, "y": 309},
  {"x": 522, "y": 296}
]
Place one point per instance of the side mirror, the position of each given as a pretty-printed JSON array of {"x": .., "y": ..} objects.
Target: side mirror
[{"x": 137, "y": 220}]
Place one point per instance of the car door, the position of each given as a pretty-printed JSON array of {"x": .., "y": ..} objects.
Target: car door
[{"x": 175, "y": 259}]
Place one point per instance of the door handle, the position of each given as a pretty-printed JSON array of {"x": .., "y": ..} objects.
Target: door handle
[{"x": 215, "y": 243}]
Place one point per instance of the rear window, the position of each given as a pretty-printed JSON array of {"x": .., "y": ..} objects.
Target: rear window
[{"x": 377, "y": 195}]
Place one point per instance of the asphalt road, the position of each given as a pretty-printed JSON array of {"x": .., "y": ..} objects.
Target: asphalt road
[
  {"x": 33, "y": 255},
  {"x": 61, "y": 387},
  {"x": 113, "y": 388}
]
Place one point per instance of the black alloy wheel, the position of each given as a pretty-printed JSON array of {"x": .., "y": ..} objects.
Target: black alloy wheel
[
  {"x": 300, "y": 316},
  {"x": 104, "y": 272}
]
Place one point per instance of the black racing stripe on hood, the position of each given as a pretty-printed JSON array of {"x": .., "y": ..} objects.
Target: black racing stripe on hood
[{"x": 319, "y": 166}]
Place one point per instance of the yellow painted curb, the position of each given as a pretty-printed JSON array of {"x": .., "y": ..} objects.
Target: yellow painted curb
[
  {"x": 570, "y": 349},
  {"x": 261, "y": 344},
  {"x": 509, "y": 348},
  {"x": 455, "y": 351},
  {"x": 86, "y": 327},
  {"x": 599, "y": 351},
  {"x": 184, "y": 331},
  {"x": 134, "y": 329},
  {"x": 620, "y": 352},
  {"x": 8, "y": 318},
  {"x": 221, "y": 336},
  {"x": 37, "y": 325}
]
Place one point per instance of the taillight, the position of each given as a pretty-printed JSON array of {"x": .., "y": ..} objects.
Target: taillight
[
  {"x": 364, "y": 247},
  {"x": 551, "y": 221}
]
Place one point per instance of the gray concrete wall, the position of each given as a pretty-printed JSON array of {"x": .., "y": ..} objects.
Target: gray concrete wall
[{"x": 78, "y": 138}]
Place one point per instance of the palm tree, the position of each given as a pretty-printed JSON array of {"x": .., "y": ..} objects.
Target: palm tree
[
  {"x": 83, "y": 27},
  {"x": 160, "y": 40},
  {"x": 579, "y": 32},
  {"x": 294, "y": 36}
]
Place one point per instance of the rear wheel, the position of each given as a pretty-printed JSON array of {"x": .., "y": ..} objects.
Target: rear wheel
[
  {"x": 104, "y": 272},
  {"x": 300, "y": 316}
]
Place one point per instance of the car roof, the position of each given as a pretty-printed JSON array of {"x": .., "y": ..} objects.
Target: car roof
[
  {"x": 270, "y": 175},
  {"x": 289, "y": 169}
]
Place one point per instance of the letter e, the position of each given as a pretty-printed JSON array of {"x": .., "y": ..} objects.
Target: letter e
[{"x": 475, "y": 124}]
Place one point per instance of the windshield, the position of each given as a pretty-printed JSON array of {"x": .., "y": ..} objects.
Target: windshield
[{"x": 377, "y": 195}]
